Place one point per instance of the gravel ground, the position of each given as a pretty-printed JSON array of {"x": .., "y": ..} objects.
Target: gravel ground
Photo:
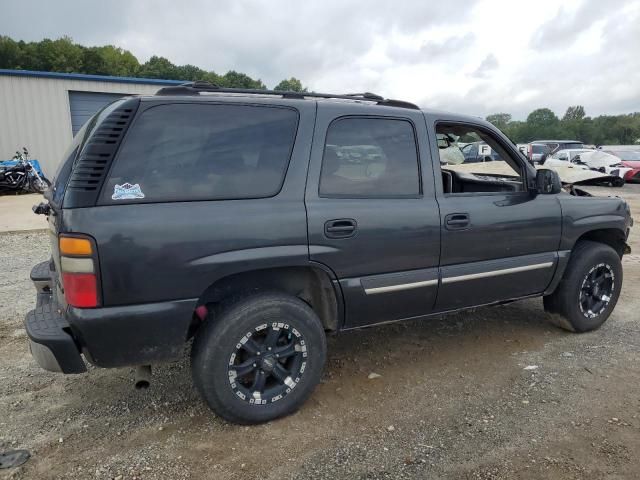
[{"x": 493, "y": 393}]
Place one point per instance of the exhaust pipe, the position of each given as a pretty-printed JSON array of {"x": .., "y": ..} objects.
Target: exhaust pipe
[{"x": 142, "y": 377}]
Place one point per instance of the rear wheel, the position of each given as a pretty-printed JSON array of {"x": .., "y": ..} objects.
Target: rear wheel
[
  {"x": 260, "y": 358},
  {"x": 589, "y": 290}
]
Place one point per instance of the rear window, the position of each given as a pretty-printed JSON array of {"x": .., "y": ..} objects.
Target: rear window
[
  {"x": 571, "y": 146},
  {"x": 184, "y": 152},
  {"x": 539, "y": 149}
]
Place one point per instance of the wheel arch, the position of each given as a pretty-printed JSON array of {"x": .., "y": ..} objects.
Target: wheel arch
[
  {"x": 611, "y": 236},
  {"x": 311, "y": 283},
  {"x": 614, "y": 237}
]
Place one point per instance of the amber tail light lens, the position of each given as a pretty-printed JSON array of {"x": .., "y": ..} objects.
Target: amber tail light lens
[{"x": 79, "y": 272}]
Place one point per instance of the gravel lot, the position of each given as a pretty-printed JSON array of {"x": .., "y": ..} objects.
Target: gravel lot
[{"x": 455, "y": 400}]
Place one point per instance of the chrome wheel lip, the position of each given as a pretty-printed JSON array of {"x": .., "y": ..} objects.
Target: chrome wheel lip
[
  {"x": 596, "y": 290},
  {"x": 275, "y": 368}
]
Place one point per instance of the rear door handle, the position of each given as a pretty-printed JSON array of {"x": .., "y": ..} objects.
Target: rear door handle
[
  {"x": 340, "y": 228},
  {"x": 457, "y": 221}
]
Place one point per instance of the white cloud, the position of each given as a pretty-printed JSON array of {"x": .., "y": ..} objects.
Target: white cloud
[{"x": 476, "y": 57}]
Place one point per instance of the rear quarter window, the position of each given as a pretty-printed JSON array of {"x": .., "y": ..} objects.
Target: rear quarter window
[{"x": 185, "y": 152}]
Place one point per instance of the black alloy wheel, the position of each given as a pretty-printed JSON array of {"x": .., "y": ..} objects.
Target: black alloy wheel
[
  {"x": 268, "y": 362},
  {"x": 596, "y": 290}
]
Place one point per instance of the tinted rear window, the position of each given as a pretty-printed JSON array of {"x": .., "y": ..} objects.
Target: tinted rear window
[
  {"x": 570, "y": 146},
  {"x": 539, "y": 149},
  {"x": 183, "y": 152}
]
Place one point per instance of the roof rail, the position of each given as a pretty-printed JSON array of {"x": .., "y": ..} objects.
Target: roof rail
[{"x": 193, "y": 88}]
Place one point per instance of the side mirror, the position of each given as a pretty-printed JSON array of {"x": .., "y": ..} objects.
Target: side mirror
[{"x": 548, "y": 181}]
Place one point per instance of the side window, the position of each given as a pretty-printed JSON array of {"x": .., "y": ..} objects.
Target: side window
[
  {"x": 370, "y": 157},
  {"x": 183, "y": 152},
  {"x": 473, "y": 161}
]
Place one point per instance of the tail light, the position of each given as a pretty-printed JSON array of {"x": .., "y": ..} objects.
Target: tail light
[
  {"x": 78, "y": 266},
  {"x": 530, "y": 152}
]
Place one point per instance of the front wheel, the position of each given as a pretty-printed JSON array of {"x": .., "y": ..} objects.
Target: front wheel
[
  {"x": 618, "y": 182},
  {"x": 589, "y": 290},
  {"x": 259, "y": 359}
]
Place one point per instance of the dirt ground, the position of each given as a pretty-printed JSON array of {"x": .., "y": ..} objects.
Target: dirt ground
[{"x": 494, "y": 393}]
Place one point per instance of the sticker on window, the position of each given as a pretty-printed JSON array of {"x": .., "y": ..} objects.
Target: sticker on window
[{"x": 127, "y": 191}]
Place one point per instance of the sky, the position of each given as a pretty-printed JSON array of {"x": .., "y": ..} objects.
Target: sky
[{"x": 468, "y": 56}]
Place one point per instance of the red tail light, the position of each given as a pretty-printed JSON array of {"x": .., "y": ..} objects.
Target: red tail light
[
  {"x": 80, "y": 289},
  {"x": 79, "y": 271}
]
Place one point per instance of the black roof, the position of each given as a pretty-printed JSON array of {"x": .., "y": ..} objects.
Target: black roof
[{"x": 195, "y": 88}]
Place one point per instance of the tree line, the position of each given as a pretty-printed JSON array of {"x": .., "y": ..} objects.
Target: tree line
[
  {"x": 63, "y": 55},
  {"x": 574, "y": 125}
]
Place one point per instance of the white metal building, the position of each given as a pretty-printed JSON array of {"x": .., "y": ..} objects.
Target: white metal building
[{"x": 43, "y": 110}]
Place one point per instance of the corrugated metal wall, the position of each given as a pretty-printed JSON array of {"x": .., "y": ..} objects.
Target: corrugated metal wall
[{"x": 35, "y": 113}]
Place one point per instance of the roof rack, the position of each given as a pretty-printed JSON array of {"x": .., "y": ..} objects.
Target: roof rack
[{"x": 192, "y": 88}]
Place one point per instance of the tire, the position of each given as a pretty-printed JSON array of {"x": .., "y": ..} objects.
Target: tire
[
  {"x": 37, "y": 185},
  {"x": 579, "y": 311},
  {"x": 235, "y": 337}
]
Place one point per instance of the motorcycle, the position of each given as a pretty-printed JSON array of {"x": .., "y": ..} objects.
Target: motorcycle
[{"x": 22, "y": 176}]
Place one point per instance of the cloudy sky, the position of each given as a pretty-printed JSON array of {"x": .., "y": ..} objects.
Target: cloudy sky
[{"x": 473, "y": 56}]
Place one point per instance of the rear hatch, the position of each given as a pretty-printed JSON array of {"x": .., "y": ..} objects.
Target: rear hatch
[{"x": 79, "y": 176}]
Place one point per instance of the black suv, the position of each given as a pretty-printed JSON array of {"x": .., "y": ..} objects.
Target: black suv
[{"x": 255, "y": 222}]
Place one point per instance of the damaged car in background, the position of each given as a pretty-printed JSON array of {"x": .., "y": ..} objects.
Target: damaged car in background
[
  {"x": 592, "y": 167},
  {"x": 630, "y": 157},
  {"x": 594, "y": 160}
]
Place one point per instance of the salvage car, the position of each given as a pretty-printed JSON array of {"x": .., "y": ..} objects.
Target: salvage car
[
  {"x": 557, "y": 145},
  {"x": 538, "y": 153},
  {"x": 247, "y": 225},
  {"x": 596, "y": 160},
  {"x": 631, "y": 160}
]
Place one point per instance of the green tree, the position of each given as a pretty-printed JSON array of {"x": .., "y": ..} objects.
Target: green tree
[
  {"x": 60, "y": 55},
  {"x": 109, "y": 60},
  {"x": 290, "y": 85},
  {"x": 542, "y": 122},
  {"x": 499, "y": 120},
  {"x": 119, "y": 62},
  {"x": 159, "y": 67},
  {"x": 542, "y": 117},
  {"x": 574, "y": 113},
  {"x": 190, "y": 72},
  {"x": 233, "y": 79},
  {"x": 10, "y": 53},
  {"x": 516, "y": 131}
]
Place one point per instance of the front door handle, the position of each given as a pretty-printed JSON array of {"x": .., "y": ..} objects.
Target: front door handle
[
  {"x": 457, "y": 221},
  {"x": 340, "y": 228}
]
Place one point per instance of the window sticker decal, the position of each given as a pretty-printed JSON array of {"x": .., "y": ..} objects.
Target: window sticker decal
[{"x": 127, "y": 191}]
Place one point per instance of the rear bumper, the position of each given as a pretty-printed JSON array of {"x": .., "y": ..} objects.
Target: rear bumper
[
  {"x": 106, "y": 337},
  {"x": 133, "y": 334},
  {"x": 50, "y": 340}
]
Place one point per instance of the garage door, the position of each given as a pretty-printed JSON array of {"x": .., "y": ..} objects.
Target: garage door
[{"x": 84, "y": 104}]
